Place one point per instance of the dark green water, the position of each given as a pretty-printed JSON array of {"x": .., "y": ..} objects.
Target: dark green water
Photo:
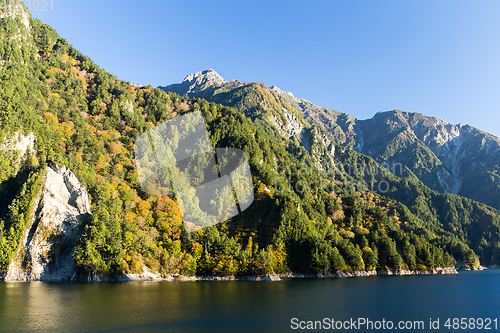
[{"x": 244, "y": 306}]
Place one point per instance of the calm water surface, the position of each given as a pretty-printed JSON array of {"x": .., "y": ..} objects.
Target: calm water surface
[{"x": 240, "y": 306}]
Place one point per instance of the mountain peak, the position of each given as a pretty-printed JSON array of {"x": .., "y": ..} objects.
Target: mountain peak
[
  {"x": 281, "y": 92},
  {"x": 197, "y": 82},
  {"x": 203, "y": 80}
]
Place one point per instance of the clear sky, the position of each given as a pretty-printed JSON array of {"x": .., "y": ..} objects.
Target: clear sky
[{"x": 439, "y": 58}]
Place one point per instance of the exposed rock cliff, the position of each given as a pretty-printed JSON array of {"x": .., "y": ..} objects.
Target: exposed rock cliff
[
  {"x": 46, "y": 250},
  {"x": 18, "y": 146},
  {"x": 291, "y": 127}
]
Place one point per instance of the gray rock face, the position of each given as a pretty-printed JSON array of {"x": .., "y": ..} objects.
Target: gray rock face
[
  {"x": 47, "y": 247},
  {"x": 203, "y": 80},
  {"x": 285, "y": 93},
  {"x": 291, "y": 127},
  {"x": 448, "y": 158},
  {"x": 197, "y": 82},
  {"x": 127, "y": 106}
]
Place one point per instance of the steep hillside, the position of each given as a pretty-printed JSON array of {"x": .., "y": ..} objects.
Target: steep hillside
[
  {"x": 448, "y": 158},
  {"x": 264, "y": 106},
  {"x": 457, "y": 159}
]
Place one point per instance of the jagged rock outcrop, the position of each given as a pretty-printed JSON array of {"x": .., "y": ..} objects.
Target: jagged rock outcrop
[
  {"x": 197, "y": 82},
  {"x": 288, "y": 94},
  {"x": 47, "y": 247},
  {"x": 291, "y": 127}
]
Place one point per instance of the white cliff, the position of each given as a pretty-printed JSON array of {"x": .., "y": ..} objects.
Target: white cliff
[{"x": 47, "y": 247}]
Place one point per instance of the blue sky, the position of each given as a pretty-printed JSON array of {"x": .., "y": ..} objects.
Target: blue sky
[{"x": 439, "y": 58}]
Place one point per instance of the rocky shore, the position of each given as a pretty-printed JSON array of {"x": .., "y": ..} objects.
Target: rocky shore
[{"x": 150, "y": 276}]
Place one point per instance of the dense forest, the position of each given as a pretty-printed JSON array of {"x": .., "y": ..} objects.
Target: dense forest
[{"x": 88, "y": 120}]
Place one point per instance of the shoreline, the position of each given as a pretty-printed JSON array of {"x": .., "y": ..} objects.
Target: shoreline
[{"x": 149, "y": 276}]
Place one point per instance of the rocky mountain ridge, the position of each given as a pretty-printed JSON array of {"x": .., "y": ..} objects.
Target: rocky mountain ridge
[
  {"x": 449, "y": 158},
  {"x": 259, "y": 102}
]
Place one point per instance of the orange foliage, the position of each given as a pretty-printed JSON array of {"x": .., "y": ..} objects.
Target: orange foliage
[
  {"x": 102, "y": 108},
  {"x": 119, "y": 168},
  {"x": 103, "y": 134},
  {"x": 67, "y": 128},
  {"x": 67, "y": 59},
  {"x": 99, "y": 169},
  {"x": 99, "y": 178},
  {"x": 116, "y": 148},
  {"x": 115, "y": 134},
  {"x": 145, "y": 90},
  {"x": 59, "y": 71},
  {"x": 143, "y": 207},
  {"x": 51, "y": 119}
]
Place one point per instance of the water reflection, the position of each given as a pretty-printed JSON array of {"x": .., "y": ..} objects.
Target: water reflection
[
  {"x": 37, "y": 306},
  {"x": 241, "y": 306}
]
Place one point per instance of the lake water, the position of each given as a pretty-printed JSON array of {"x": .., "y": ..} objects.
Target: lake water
[{"x": 240, "y": 306}]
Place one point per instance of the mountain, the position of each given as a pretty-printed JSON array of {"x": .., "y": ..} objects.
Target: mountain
[
  {"x": 457, "y": 159},
  {"x": 263, "y": 105},
  {"x": 72, "y": 203},
  {"x": 450, "y": 159}
]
